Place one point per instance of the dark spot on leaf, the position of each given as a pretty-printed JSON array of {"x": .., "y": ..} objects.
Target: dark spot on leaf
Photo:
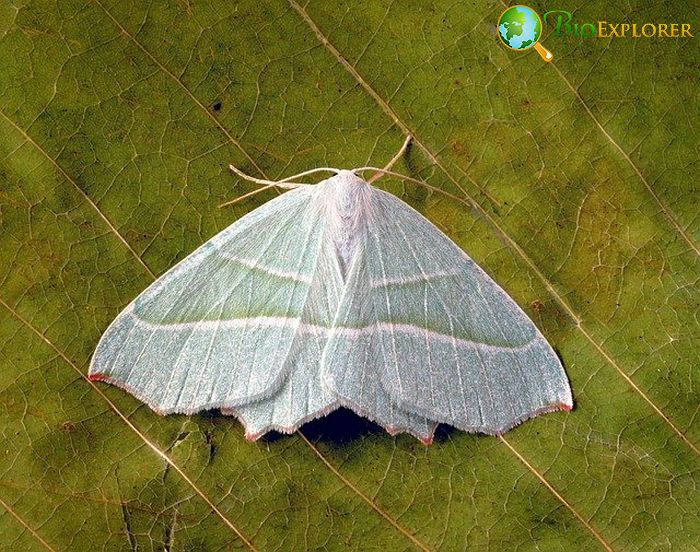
[
  {"x": 549, "y": 521},
  {"x": 459, "y": 147},
  {"x": 67, "y": 426},
  {"x": 169, "y": 532},
  {"x": 213, "y": 448},
  {"x": 126, "y": 516},
  {"x": 537, "y": 305},
  {"x": 217, "y": 106}
]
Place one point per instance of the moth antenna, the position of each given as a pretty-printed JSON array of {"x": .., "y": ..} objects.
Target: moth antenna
[
  {"x": 392, "y": 162},
  {"x": 310, "y": 171},
  {"x": 266, "y": 184},
  {"x": 280, "y": 183},
  {"x": 415, "y": 181}
]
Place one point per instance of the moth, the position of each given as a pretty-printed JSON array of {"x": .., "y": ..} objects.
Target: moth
[{"x": 333, "y": 294}]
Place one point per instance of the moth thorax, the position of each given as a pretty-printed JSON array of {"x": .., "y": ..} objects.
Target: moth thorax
[{"x": 347, "y": 207}]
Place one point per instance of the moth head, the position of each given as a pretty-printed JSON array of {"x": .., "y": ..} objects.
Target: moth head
[{"x": 350, "y": 177}]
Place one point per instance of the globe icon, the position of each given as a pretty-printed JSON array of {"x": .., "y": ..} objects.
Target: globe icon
[{"x": 519, "y": 27}]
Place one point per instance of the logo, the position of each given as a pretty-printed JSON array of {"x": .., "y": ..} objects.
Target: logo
[
  {"x": 520, "y": 28},
  {"x": 564, "y": 26}
]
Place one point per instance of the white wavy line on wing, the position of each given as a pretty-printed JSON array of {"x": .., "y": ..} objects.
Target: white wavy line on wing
[
  {"x": 398, "y": 280},
  {"x": 314, "y": 329},
  {"x": 255, "y": 265}
]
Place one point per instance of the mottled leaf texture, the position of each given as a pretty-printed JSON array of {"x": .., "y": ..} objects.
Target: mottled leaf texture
[{"x": 573, "y": 185}]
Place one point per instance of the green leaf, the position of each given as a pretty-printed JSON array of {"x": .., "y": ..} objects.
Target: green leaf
[{"x": 117, "y": 124}]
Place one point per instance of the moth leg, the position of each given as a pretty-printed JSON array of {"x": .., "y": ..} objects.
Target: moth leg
[{"x": 244, "y": 196}]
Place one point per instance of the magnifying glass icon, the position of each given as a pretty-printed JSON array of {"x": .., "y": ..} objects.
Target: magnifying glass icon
[{"x": 520, "y": 28}]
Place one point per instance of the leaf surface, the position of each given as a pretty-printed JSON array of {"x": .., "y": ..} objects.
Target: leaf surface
[{"x": 117, "y": 125}]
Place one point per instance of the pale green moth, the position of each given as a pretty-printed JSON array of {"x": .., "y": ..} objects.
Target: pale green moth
[{"x": 333, "y": 294}]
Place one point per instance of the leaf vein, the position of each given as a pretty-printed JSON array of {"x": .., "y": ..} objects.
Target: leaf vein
[{"x": 170, "y": 462}]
